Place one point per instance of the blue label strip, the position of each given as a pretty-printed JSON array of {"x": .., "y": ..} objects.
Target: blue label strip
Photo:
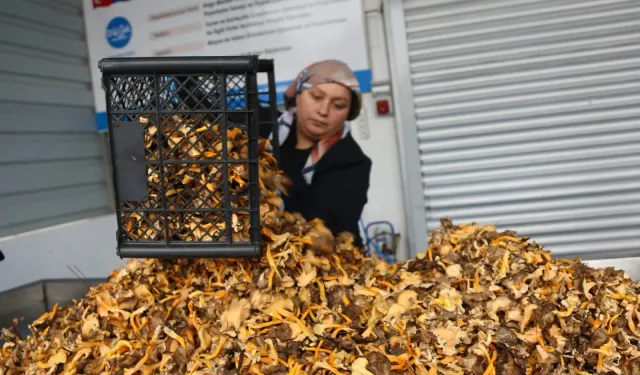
[{"x": 363, "y": 76}]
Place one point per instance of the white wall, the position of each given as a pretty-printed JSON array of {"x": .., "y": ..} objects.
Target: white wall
[
  {"x": 630, "y": 265},
  {"x": 385, "y": 191},
  {"x": 89, "y": 245},
  {"x": 378, "y": 134}
]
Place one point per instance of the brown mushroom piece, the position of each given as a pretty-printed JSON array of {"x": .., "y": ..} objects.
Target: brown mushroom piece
[
  {"x": 506, "y": 364},
  {"x": 378, "y": 363},
  {"x": 506, "y": 336}
]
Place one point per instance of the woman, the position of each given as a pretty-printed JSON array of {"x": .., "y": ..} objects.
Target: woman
[{"x": 329, "y": 171}]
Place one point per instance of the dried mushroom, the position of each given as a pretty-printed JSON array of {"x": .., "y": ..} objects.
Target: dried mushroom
[
  {"x": 477, "y": 301},
  {"x": 190, "y": 184}
]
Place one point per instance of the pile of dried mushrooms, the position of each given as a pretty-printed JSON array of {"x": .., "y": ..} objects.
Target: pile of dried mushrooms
[{"x": 477, "y": 301}]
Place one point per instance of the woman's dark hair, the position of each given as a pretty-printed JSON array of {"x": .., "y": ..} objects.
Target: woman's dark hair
[{"x": 289, "y": 102}]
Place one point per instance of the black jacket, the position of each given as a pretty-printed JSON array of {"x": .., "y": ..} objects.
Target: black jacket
[{"x": 338, "y": 192}]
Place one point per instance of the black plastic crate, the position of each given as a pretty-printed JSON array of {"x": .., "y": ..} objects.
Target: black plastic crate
[{"x": 178, "y": 169}]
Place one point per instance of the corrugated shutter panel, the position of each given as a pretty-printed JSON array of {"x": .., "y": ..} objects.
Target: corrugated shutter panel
[
  {"x": 528, "y": 117},
  {"x": 51, "y": 165}
]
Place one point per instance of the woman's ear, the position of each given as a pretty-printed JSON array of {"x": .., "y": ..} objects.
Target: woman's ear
[{"x": 354, "y": 107}]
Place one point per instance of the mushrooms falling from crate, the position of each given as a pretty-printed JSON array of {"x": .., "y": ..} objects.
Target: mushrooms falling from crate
[{"x": 185, "y": 175}]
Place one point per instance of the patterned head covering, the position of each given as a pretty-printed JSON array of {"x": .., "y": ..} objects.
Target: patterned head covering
[{"x": 327, "y": 71}]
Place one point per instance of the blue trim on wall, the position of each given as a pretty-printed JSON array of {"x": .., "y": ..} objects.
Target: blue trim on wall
[
  {"x": 363, "y": 76},
  {"x": 101, "y": 120}
]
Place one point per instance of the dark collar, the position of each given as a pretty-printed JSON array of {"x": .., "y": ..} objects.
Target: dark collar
[
  {"x": 346, "y": 152},
  {"x": 343, "y": 154}
]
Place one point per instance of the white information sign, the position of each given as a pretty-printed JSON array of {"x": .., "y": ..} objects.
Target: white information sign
[{"x": 294, "y": 33}]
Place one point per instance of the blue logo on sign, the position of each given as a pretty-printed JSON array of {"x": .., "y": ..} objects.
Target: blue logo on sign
[{"x": 118, "y": 32}]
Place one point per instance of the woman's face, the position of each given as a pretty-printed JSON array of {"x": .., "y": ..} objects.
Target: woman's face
[{"x": 322, "y": 110}]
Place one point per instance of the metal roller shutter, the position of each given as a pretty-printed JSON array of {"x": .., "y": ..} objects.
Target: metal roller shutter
[
  {"x": 527, "y": 115},
  {"x": 51, "y": 164}
]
